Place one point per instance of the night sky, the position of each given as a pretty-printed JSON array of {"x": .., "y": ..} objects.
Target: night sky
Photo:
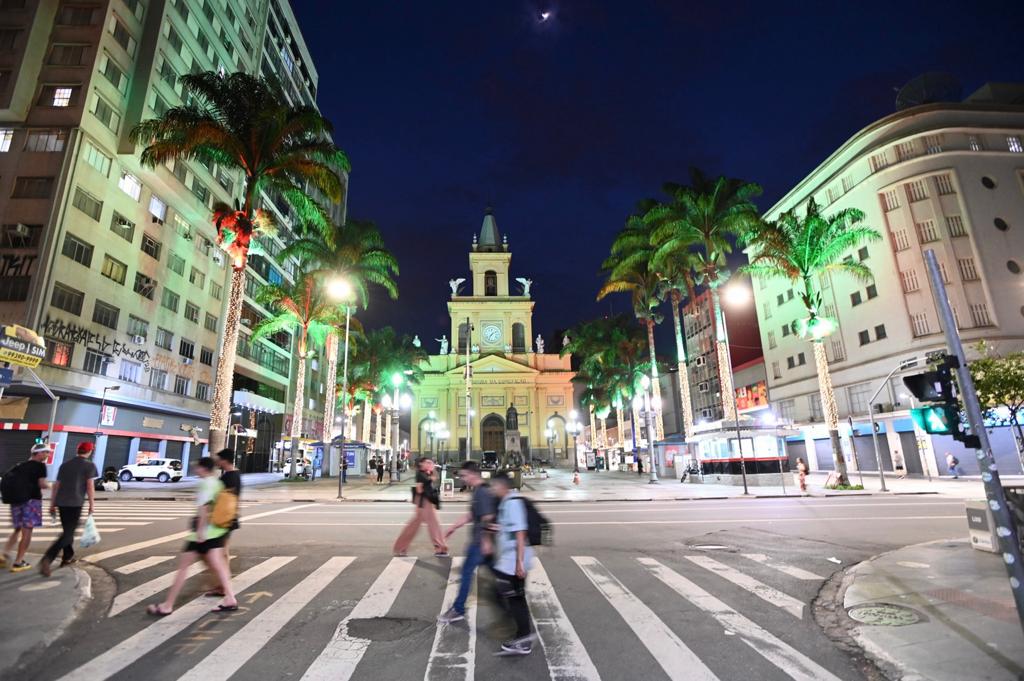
[{"x": 562, "y": 125}]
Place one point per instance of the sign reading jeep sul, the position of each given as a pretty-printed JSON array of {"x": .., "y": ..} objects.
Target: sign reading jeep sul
[{"x": 21, "y": 346}]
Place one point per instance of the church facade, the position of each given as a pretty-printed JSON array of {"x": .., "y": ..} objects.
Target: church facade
[{"x": 491, "y": 323}]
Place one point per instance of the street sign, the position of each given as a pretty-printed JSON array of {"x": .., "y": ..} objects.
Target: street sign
[{"x": 22, "y": 346}]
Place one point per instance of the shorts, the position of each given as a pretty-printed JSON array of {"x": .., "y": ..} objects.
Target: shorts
[
  {"x": 27, "y": 515},
  {"x": 202, "y": 548}
]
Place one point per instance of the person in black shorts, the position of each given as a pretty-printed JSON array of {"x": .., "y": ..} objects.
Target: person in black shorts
[{"x": 231, "y": 478}]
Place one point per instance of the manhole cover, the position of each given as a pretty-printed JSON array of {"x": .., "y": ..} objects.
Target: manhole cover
[{"x": 884, "y": 615}]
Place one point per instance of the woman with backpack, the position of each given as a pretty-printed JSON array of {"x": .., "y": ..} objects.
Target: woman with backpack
[{"x": 427, "y": 500}]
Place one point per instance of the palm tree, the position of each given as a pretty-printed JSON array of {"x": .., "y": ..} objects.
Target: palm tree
[
  {"x": 244, "y": 123},
  {"x": 301, "y": 307},
  {"x": 711, "y": 212},
  {"x": 629, "y": 271},
  {"x": 356, "y": 252},
  {"x": 802, "y": 250}
]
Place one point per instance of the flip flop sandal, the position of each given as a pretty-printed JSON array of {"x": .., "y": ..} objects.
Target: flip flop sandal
[
  {"x": 213, "y": 593},
  {"x": 154, "y": 610},
  {"x": 225, "y": 608}
]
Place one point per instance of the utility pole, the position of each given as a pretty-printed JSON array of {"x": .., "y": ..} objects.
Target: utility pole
[
  {"x": 1005, "y": 529},
  {"x": 469, "y": 382}
]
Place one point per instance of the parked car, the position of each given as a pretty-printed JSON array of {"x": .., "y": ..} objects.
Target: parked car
[{"x": 164, "y": 470}]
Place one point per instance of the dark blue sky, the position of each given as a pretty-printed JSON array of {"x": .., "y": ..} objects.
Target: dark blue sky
[{"x": 446, "y": 107}]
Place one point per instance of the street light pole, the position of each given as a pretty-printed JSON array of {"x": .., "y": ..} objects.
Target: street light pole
[
  {"x": 344, "y": 404},
  {"x": 904, "y": 364},
  {"x": 103, "y": 407},
  {"x": 645, "y": 383},
  {"x": 739, "y": 294}
]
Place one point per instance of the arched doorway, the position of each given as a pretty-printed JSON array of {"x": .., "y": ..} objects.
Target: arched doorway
[{"x": 492, "y": 434}]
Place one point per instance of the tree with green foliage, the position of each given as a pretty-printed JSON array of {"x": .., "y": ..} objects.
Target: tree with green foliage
[{"x": 999, "y": 381}]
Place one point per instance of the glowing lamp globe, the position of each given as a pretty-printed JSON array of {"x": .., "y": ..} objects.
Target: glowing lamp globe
[
  {"x": 814, "y": 327},
  {"x": 339, "y": 289}
]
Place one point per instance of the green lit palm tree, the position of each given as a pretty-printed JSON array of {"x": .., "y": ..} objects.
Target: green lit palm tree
[
  {"x": 802, "y": 250},
  {"x": 244, "y": 123}
]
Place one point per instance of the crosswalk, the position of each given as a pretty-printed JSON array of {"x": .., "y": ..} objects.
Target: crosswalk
[{"x": 678, "y": 615}]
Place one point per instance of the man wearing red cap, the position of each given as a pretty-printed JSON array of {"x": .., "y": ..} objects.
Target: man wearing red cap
[{"x": 74, "y": 483}]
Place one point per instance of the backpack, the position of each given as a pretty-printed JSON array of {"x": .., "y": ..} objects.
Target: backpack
[
  {"x": 538, "y": 528},
  {"x": 14, "y": 488}
]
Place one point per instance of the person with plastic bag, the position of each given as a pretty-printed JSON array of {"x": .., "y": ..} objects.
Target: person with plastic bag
[
  {"x": 73, "y": 485},
  {"x": 215, "y": 514}
]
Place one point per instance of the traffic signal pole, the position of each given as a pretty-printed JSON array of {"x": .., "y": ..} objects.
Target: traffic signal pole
[{"x": 1007, "y": 534}]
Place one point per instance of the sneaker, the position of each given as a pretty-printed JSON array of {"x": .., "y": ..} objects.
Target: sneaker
[
  {"x": 451, "y": 615},
  {"x": 518, "y": 646},
  {"x": 21, "y": 566}
]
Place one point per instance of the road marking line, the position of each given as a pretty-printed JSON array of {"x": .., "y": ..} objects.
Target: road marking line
[
  {"x": 110, "y": 662},
  {"x": 338, "y": 660},
  {"x": 229, "y": 657},
  {"x": 38, "y": 534},
  {"x": 132, "y": 568},
  {"x": 121, "y": 550},
  {"x": 129, "y": 598},
  {"x": 567, "y": 658},
  {"x": 790, "y": 570},
  {"x": 791, "y": 605},
  {"x": 676, "y": 659},
  {"x": 790, "y": 661},
  {"x": 720, "y": 521},
  {"x": 453, "y": 653}
]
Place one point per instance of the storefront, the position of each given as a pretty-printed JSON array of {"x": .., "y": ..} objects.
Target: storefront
[{"x": 761, "y": 454}]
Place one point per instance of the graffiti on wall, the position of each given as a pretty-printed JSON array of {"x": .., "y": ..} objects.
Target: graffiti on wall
[{"x": 74, "y": 334}]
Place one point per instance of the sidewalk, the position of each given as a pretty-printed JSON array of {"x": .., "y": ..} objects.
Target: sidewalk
[{"x": 940, "y": 610}]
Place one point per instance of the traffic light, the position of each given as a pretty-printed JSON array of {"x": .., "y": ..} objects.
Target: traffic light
[
  {"x": 936, "y": 389},
  {"x": 940, "y": 420}
]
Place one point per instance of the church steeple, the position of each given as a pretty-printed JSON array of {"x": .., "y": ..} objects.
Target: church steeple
[{"x": 490, "y": 239}]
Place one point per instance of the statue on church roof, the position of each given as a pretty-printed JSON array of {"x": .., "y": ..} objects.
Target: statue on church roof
[
  {"x": 526, "y": 283},
  {"x": 416, "y": 342},
  {"x": 455, "y": 284},
  {"x": 443, "y": 340},
  {"x": 539, "y": 342},
  {"x": 565, "y": 341}
]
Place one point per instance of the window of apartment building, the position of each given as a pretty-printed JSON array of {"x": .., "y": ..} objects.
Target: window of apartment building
[
  {"x": 900, "y": 241},
  {"x": 164, "y": 338},
  {"x": 879, "y": 161},
  {"x": 204, "y": 246},
  {"x": 1013, "y": 144},
  {"x": 933, "y": 144},
  {"x": 203, "y": 42},
  {"x": 864, "y": 337},
  {"x": 181, "y": 385},
  {"x": 87, "y": 203},
  {"x": 780, "y": 299},
  {"x": 130, "y": 371},
  {"x": 176, "y": 263},
  {"x": 114, "y": 74},
  {"x": 917, "y": 190},
  {"x": 159, "y": 104},
  {"x": 203, "y": 391},
  {"x": 944, "y": 185},
  {"x": 59, "y": 353},
  {"x": 814, "y": 406},
  {"x": 871, "y": 291},
  {"x": 838, "y": 354},
  {"x": 105, "y": 314},
  {"x": 771, "y": 340},
  {"x": 979, "y": 314},
  {"x": 130, "y": 185},
  {"x": 974, "y": 142},
  {"x": 60, "y": 96},
  {"x": 158, "y": 209},
  {"x": 122, "y": 35},
  {"x": 829, "y": 311},
  {"x": 880, "y": 332},
  {"x": 192, "y": 312},
  {"x": 968, "y": 272},
  {"x": 137, "y": 327},
  {"x": 891, "y": 199},
  {"x": 122, "y": 226},
  {"x": 926, "y": 231},
  {"x": 151, "y": 246},
  {"x": 136, "y": 7},
  {"x": 216, "y": 290},
  {"x": 859, "y": 395},
  {"x": 77, "y": 250},
  {"x": 173, "y": 38},
  {"x": 956, "y": 316},
  {"x": 856, "y": 299},
  {"x": 955, "y": 225},
  {"x": 785, "y": 330},
  {"x": 96, "y": 158},
  {"x": 180, "y": 170},
  {"x": 206, "y": 356},
  {"x": 776, "y": 370},
  {"x": 198, "y": 278},
  {"x": 919, "y": 321},
  {"x": 77, "y": 15},
  {"x": 862, "y": 253},
  {"x": 144, "y": 286},
  {"x": 224, "y": 180},
  {"x": 183, "y": 229},
  {"x": 67, "y": 299},
  {"x": 790, "y": 362},
  {"x": 170, "y": 300},
  {"x": 157, "y": 379},
  {"x": 42, "y": 140},
  {"x": 167, "y": 73},
  {"x": 787, "y": 409},
  {"x": 800, "y": 359},
  {"x": 96, "y": 362},
  {"x": 210, "y": 323},
  {"x": 9, "y": 38},
  {"x": 833, "y": 194},
  {"x": 187, "y": 349},
  {"x": 909, "y": 280},
  {"x": 906, "y": 150},
  {"x": 114, "y": 270},
  {"x": 200, "y": 190},
  {"x": 32, "y": 188},
  {"x": 943, "y": 272},
  {"x": 767, "y": 310},
  {"x": 6, "y": 136},
  {"x": 105, "y": 113}
]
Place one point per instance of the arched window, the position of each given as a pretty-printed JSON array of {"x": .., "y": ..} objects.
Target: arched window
[
  {"x": 518, "y": 337},
  {"x": 490, "y": 283},
  {"x": 463, "y": 337}
]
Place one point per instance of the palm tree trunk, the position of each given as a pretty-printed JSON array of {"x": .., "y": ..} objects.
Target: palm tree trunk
[
  {"x": 659, "y": 422},
  {"x": 378, "y": 436},
  {"x": 300, "y": 389},
  {"x": 726, "y": 390},
  {"x": 620, "y": 427},
  {"x": 828, "y": 407},
  {"x": 593, "y": 429},
  {"x": 367, "y": 413},
  {"x": 332, "y": 388},
  {"x": 684, "y": 376},
  {"x": 636, "y": 428},
  {"x": 224, "y": 377},
  {"x": 604, "y": 435}
]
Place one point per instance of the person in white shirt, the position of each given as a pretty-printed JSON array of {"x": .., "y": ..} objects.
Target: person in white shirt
[{"x": 512, "y": 560}]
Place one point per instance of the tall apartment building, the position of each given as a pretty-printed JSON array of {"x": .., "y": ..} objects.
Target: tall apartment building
[
  {"x": 947, "y": 177},
  {"x": 115, "y": 264}
]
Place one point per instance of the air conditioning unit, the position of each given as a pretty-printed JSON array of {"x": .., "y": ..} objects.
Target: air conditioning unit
[
  {"x": 701, "y": 361},
  {"x": 138, "y": 340},
  {"x": 186, "y": 361},
  {"x": 218, "y": 258},
  {"x": 20, "y": 229}
]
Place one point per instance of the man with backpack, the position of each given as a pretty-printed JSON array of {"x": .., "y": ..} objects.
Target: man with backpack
[
  {"x": 512, "y": 559},
  {"x": 22, "y": 488}
]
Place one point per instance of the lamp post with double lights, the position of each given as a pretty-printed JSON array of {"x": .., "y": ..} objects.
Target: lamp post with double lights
[
  {"x": 735, "y": 295},
  {"x": 103, "y": 408},
  {"x": 234, "y": 427},
  {"x": 646, "y": 405},
  {"x": 341, "y": 290},
  {"x": 573, "y": 427}
]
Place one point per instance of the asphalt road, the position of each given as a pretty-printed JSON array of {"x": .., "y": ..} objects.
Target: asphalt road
[{"x": 663, "y": 590}]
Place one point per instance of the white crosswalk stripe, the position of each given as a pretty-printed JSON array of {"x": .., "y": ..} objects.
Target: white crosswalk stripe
[
  {"x": 675, "y": 657},
  {"x": 791, "y": 605},
  {"x": 453, "y": 653},
  {"x": 127, "y": 599},
  {"x": 567, "y": 658},
  {"x": 138, "y": 565},
  {"x": 338, "y": 661},
  {"x": 790, "y": 570}
]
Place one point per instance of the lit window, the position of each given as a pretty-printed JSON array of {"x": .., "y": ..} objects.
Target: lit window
[
  {"x": 157, "y": 208},
  {"x": 1013, "y": 144},
  {"x": 58, "y": 353},
  {"x": 6, "y": 135},
  {"x": 130, "y": 185},
  {"x": 62, "y": 96}
]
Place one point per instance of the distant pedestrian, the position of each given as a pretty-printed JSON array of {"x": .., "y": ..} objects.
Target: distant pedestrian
[
  {"x": 380, "y": 471},
  {"x": 482, "y": 509},
  {"x": 427, "y": 500},
  {"x": 639, "y": 465},
  {"x": 953, "y": 464},
  {"x": 898, "y": 465},
  {"x": 231, "y": 478},
  {"x": 206, "y": 541},
  {"x": 512, "y": 559},
  {"x": 23, "y": 490},
  {"x": 74, "y": 484},
  {"x": 344, "y": 470},
  {"x": 801, "y": 471}
]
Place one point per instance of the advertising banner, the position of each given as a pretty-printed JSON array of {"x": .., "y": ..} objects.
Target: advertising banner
[{"x": 21, "y": 346}]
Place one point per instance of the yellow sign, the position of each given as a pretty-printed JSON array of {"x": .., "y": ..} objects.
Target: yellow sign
[{"x": 22, "y": 346}]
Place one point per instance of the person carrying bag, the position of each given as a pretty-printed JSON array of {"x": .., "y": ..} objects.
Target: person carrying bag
[{"x": 427, "y": 499}]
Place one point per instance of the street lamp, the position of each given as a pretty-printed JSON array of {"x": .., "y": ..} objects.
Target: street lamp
[
  {"x": 549, "y": 433},
  {"x": 902, "y": 366},
  {"x": 234, "y": 449},
  {"x": 735, "y": 295},
  {"x": 573, "y": 428},
  {"x": 645, "y": 383},
  {"x": 103, "y": 407},
  {"x": 340, "y": 289}
]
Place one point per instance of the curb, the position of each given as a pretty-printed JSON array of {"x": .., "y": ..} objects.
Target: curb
[{"x": 34, "y": 655}]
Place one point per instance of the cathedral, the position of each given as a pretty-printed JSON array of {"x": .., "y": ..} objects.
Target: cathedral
[{"x": 492, "y": 325}]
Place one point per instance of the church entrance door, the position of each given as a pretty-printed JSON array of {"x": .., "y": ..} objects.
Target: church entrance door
[{"x": 492, "y": 434}]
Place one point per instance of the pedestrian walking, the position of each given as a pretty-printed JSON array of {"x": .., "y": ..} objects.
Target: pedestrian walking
[
  {"x": 639, "y": 465},
  {"x": 23, "y": 487},
  {"x": 380, "y": 471},
  {"x": 73, "y": 485},
  {"x": 482, "y": 510},
  {"x": 427, "y": 500},
  {"x": 344, "y": 469},
  {"x": 231, "y": 478},
  {"x": 898, "y": 464},
  {"x": 953, "y": 465},
  {"x": 512, "y": 559},
  {"x": 206, "y": 541},
  {"x": 801, "y": 470}
]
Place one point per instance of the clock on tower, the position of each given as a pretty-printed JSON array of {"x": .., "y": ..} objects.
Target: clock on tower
[{"x": 492, "y": 334}]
